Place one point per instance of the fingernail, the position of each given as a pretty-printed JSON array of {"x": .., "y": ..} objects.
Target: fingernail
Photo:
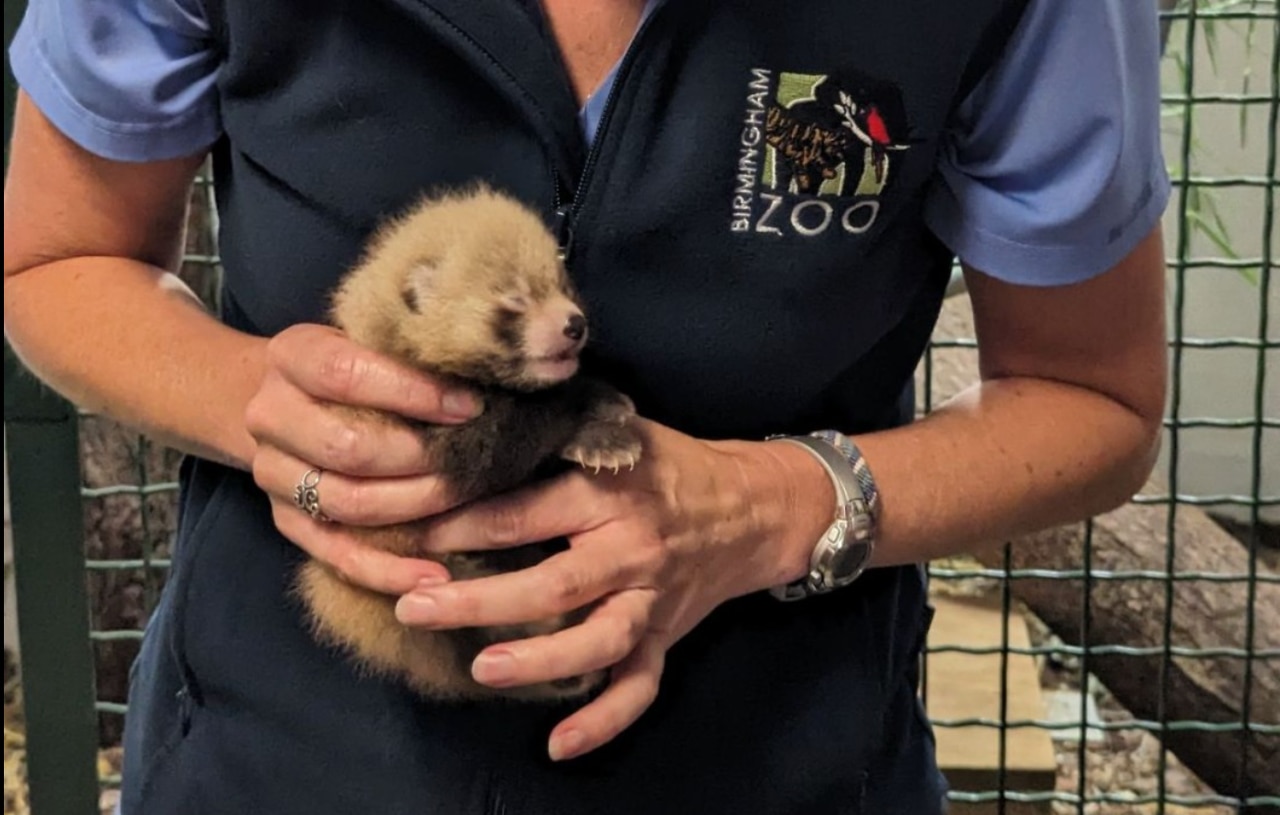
[
  {"x": 460, "y": 404},
  {"x": 430, "y": 581},
  {"x": 493, "y": 666},
  {"x": 566, "y": 745},
  {"x": 418, "y": 608}
]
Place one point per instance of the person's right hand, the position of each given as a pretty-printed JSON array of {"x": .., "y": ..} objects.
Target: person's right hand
[{"x": 371, "y": 472}]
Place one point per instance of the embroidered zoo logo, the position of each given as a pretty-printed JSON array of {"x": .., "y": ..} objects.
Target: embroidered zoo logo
[{"x": 816, "y": 152}]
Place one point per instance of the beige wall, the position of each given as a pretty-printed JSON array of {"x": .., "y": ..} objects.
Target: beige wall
[{"x": 1219, "y": 302}]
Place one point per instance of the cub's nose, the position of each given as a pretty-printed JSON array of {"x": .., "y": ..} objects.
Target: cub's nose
[{"x": 576, "y": 328}]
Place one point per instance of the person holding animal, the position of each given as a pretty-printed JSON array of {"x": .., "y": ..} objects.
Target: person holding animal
[{"x": 750, "y": 214}]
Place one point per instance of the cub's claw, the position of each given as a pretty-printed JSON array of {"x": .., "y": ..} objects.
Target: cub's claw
[{"x": 603, "y": 445}]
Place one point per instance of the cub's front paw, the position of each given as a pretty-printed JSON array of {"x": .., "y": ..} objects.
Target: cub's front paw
[
  {"x": 604, "y": 446},
  {"x": 614, "y": 408}
]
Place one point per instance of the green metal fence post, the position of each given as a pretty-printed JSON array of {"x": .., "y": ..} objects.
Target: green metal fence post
[{"x": 42, "y": 442}]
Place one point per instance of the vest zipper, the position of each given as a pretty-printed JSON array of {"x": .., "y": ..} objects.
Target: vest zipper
[
  {"x": 555, "y": 168},
  {"x": 567, "y": 211}
]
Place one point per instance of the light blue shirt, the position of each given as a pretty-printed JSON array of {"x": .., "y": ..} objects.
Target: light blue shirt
[{"x": 1051, "y": 174}]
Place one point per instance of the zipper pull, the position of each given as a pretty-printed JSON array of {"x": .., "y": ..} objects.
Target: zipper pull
[{"x": 564, "y": 232}]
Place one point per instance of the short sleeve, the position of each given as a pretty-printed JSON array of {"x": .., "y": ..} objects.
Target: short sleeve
[
  {"x": 1052, "y": 170},
  {"x": 130, "y": 80}
]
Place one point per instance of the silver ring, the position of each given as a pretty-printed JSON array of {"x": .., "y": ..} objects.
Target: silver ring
[{"x": 307, "y": 494}]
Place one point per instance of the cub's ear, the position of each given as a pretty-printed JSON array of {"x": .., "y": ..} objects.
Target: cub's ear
[{"x": 419, "y": 284}]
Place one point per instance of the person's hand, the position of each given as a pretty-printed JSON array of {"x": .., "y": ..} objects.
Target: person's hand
[
  {"x": 370, "y": 472},
  {"x": 695, "y": 524}
]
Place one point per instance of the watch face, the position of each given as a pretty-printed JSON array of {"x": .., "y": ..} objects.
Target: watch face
[{"x": 849, "y": 560}]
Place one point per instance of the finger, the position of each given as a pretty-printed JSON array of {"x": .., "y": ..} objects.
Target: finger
[
  {"x": 336, "y": 439},
  {"x": 630, "y": 693},
  {"x": 352, "y": 560},
  {"x": 354, "y": 501},
  {"x": 563, "y": 582},
  {"x": 329, "y": 366},
  {"x": 544, "y": 511},
  {"x": 605, "y": 638}
]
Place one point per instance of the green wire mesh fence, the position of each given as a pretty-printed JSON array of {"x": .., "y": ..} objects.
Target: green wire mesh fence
[
  {"x": 1210, "y": 46},
  {"x": 1207, "y": 521}
]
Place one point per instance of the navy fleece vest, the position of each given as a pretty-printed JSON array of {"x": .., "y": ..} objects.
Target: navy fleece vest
[{"x": 747, "y": 234}]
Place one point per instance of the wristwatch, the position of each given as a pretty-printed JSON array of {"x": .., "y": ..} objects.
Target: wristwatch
[{"x": 842, "y": 553}]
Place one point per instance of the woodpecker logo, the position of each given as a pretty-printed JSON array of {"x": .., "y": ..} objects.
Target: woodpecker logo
[{"x": 816, "y": 151}]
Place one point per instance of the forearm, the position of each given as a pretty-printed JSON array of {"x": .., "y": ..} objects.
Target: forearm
[
  {"x": 1001, "y": 459},
  {"x": 1065, "y": 423},
  {"x": 130, "y": 341}
]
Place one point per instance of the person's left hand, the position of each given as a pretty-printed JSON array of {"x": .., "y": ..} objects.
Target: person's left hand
[{"x": 695, "y": 524}]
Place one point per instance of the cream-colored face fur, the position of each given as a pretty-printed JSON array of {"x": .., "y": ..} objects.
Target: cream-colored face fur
[{"x": 469, "y": 285}]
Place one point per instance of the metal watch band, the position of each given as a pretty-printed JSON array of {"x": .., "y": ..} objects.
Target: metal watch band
[
  {"x": 858, "y": 464},
  {"x": 842, "y": 553}
]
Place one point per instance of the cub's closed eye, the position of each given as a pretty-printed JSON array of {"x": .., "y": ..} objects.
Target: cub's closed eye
[{"x": 515, "y": 302}]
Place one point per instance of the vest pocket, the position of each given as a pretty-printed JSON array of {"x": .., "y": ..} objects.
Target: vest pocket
[
  {"x": 163, "y": 692},
  {"x": 186, "y": 575},
  {"x": 495, "y": 797}
]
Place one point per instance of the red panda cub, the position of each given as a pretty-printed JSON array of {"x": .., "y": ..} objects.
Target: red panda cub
[{"x": 469, "y": 287}]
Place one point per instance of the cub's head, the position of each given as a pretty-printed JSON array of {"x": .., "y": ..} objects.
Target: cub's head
[{"x": 472, "y": 286}]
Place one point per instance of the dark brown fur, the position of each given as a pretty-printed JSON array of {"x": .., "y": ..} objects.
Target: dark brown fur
[{"x": 427, "y": 293}]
